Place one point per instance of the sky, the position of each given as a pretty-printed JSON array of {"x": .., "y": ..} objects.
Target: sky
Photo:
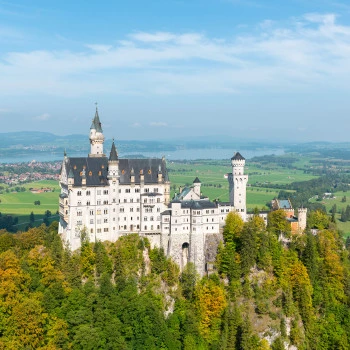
[{"x": 171, "y": 69}]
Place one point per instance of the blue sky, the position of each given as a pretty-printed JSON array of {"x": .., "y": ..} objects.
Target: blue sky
[{"x": 266, "y": 70}]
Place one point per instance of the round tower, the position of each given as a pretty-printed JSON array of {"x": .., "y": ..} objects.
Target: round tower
[
  {"x": 238, "y": 185},
  {"x": 96, "y": 137},
  {"x": 302, "y": 214}
]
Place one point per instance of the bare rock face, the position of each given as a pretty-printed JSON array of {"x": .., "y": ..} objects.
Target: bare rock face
[{"x": 211, "y": 247}]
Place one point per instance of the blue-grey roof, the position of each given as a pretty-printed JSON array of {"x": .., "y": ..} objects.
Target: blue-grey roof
[
  {"x": 96, "y": 124},
  {"x": 113, "y": 156},
  {"x": 96, "y": 170},
  {"x": 237, "y": 156},
  {"x": 182, "y": 194},
  {"x": 284, "y": 204}
]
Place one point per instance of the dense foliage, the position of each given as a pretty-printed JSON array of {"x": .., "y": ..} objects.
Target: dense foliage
[{"x": 266, "y": 292}]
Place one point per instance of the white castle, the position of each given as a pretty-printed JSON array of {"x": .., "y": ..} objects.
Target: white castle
[{"x": 110, "y": 197}]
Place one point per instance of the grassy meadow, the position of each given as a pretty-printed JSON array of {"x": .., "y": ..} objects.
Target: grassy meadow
[
  {"x": 214, "y": 185},
  {"x": 21, "y": 204}
]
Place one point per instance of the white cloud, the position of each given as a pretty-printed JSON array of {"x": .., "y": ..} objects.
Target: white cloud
[
  {"x": 99, "y": 48},
  {"x": 42, "y": 117},
  {"x": 158, "y": 124},
  {"x": 153, "y": 37},
  {"x": 312, "y": 49},
  {"x": 136, "y": 125}
]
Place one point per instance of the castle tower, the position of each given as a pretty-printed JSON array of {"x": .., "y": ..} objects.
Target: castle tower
[
  {"x": 113, "y": 179},
  {"x": 302, "y": 213},
  {"x": 197, "y": 187},
  {"x": 238, "y": 185},
  {"x": 96, "y": 137}
]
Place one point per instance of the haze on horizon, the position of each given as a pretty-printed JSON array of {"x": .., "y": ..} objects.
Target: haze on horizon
[{"x": 252, "y": 69}]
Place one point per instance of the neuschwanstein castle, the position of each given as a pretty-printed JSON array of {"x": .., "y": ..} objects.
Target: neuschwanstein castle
[{"x": 110, "y": 197}]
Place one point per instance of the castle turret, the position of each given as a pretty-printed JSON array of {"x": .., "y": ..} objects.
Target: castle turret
[
  {"x": 113, "y": 179},
  {"x": 197, "y": 187},
  {"x": 302, "y": 213},
  {"x": 238, "y": 185},
  {"x": 96, "y": 137},
  {"x": 113, "y": 164}
]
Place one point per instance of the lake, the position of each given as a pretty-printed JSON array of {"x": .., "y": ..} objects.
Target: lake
[{"x": 183, "y": 154}]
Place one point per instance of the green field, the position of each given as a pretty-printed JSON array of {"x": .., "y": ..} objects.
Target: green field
[
  {"x": 21, "y": 204},
  {"x": 328, "y": 203},
  {"x": 212, "y": 176},
  {"x": 214, "y": 185}
]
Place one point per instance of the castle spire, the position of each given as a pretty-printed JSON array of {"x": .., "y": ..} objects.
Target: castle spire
[
  {"x": 113, "y": 156},
  {"x": 96, "y": 124}
]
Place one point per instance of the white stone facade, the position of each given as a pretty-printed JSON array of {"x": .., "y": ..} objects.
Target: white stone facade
[{"x": 111, "y": 197}]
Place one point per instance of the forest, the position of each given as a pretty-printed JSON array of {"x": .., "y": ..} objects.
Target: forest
[{"x": 269, "y": 290}]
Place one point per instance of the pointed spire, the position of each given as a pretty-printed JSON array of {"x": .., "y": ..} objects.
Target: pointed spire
[
  {"x": 113, "y": 156},
  {"x": 65, "y": 153},
  {"x": 132, "y": 171},
  {"x": 96, "y": 124}
]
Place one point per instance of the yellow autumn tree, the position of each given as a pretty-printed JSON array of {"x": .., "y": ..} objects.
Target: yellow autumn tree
[{"x": 211, "y": 303}]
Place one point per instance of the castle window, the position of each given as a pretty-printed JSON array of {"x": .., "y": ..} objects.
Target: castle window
[
  {"x": 146, "y": 190},
  {"x": 75, "y": 167},
  {"x": 98, "y": 202},
  {"x": 138, "y": 209},
  {"x": 122, "y": 210},
  {"x": 145, "y": 200},
  {"x": 131, "y": 210},
  {"x": 158, "y": 227},
  {"x": 158, "y": 210},
  {"x": 137, "y": 190},
  {"x": 91, "y": 212},
  {"x": 88, "y": 193},
  {"x": 79, "y": 213},
  {"x": 138, "y": 200},
  {"x": 98, "y": 192},
  {"x": 79, "y": 222},
  {"x": 88, "y": 203},
  {"x": 120, "y": 191},
  {"x": 90, "y": 173},
  {"x": 138, "y": 227},
  {"x": 124, "y": 227},
  {"x": 149, "y": 171},
  {"x": 145, "y": 218},
  {"x": 105, "y": 191},
  {"x": 105, "y": 220},
  {"x": 145, "y": 227},
  {"x": 98, "y": 221},
  {"x": 131, "y": 200},
  {"x": 152, "y": 219},
  {"x": 98, "y": 212},
  {"x": 155, "y": 190},
  {"x": 105, "y": 202},
  {"x": 98, "y": 230},
  {"x": 207, "y": 211},
  {"x": 127, "y": 190},
  {"x": 100, "y": 173},
  {"x": 105, "y": 211},
  {"x": 102, "y": 166},
  {"x": 125, "y": 200},
  {"x": 158, "y": 200},
  {"x": 92, "y": 230},
  {"x": 213, "y": 211},
  {"x": 79, "y": 203},
  {"x": 123, "y": 171},
  {"x": 105, "y": 229},
  {"x": 151, "y": 227},
  {"x": 91, "y": 221},
  {"x": 79, "y": 193}
]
